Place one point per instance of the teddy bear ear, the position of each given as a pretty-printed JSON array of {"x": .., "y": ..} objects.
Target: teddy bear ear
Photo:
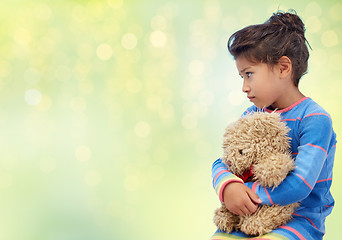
[{"x": 270, "y": 128}]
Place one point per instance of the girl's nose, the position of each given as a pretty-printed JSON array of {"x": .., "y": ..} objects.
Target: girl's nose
[{"x": 245, "y": 87}]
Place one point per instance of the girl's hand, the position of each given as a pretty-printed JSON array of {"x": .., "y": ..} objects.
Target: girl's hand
[{"x": 240, "y": 199}]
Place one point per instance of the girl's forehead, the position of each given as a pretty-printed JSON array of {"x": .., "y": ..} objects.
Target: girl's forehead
[{"x": 243, "y": 63}]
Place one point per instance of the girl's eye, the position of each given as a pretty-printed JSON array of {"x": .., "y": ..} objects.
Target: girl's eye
[{"x": 248, "y": 74}]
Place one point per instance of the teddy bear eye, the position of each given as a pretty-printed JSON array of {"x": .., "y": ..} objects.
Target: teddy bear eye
[{"x": 241, "y": 152}]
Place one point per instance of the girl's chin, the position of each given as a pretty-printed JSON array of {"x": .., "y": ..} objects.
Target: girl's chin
[{"x": 260, "y": 105}]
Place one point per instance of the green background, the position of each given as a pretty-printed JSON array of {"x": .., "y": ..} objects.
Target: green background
[{"x": 112, "y": 112}]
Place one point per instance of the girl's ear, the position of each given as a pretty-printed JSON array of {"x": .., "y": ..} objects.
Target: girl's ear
[{"x": 285, "y": 67}]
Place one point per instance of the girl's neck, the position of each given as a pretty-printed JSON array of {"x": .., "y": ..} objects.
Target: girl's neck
[{"x": 288, "y": 98}]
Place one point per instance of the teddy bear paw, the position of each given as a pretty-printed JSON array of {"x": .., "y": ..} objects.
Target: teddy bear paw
[{"x": 225, "y": 220}]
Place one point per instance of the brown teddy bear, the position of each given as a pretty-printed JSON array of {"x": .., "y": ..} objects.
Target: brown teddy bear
[{"x": 256, "y": 148}]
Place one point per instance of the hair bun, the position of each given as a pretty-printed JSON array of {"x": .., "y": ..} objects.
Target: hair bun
[{"x": 289, "y": 21}]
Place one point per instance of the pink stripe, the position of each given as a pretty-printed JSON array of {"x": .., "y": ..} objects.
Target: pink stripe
[
  {"x": 318, "y": 147},
  {"x": 328, "y": 206},
  {"x": 334, "y": 145},
  {"x": 304, "y": 181},
  {"x": 292, "y": 119},
  {"x": 307, "y": 219},
  {"x": 293, "y": 231},
  {"x": 268, "y": 195},
  {"x": 315, "y": 114},
  {"x": 288, "y": 108},
  {"x": 295, "y": 153},
  {"x": 324, "y": 180},
  {"x": 261, "y": 239},
  {"x": 254, "y": 186},
  {"x": 219, "y": 174},
  {"x": 224, "y": 185}
]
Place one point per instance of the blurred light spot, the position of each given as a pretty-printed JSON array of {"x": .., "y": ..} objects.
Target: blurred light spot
[
  {"x": 79, "y": 13},
  {"x": 209, "y": 52},
  {"x": 158, "y": 38},
  {"x": 248, "y": 12},
  {"x": 142, "y": 129},
  {"x": 83, "y": 153},
  {"x": 329, "y": 38},
  {"x": 191, "y": 107},
  {"x": 113, "y": 208},
  {"x": 132, "y": 182},
  {"x": 154, "y": 102},
  {"x": 213, "y": 12},
  {"x": 198, "y": 37},
  {"x": 32, "y": 75},
  {"x": 42, "y": 11},
  {"x": 86, "y": 87},
  {"x": 85, "y": 51},
  {"x": 156, "y": 172},
  {"x": 95, "y": 10},
  {"x": 104, "y": 52},
  {"x": 335, "y": 12},
  {"x": 236, "y": 98},
  {"x": 170, "y": 9},
  {"x": 46, "y": 45},
  {"x": 45, "y": 104},
  {"x": 158, "y": 22},
  {"x": 133, "y": 85},
  {"x": 189, "y": 121},
  {"x": 5, "y": 180},
  {"x": 313, "y": 24},
  {"x": 78, "y": 104},
  {"x": 115, "y": 3},
  {"x": 5, "y": 68},
  {"x": 313, "y": 9},
  {"x": 10, "y": 159},
  {"x": 205, "y": 98},
  {"x": 196, "y": 68},
  {"x": 63, "y": 73},
  {"x": 161, "y": 155},
  {"x": 47, "y": 164},
  {"x": 335, "y": 61},
  {"x": 22, "y": 36},
  {"x": 166, "y": 111},
  {"x": 320, "y": 57},
  {"x": 203, "y": 148},
  {"x": 229, "y": 23},
  {"x": 33, "y": 97},
  {"x": 129, "y": 41},
  {"x": 93, "y": 178},
  {"x": 79, "y": 120}
]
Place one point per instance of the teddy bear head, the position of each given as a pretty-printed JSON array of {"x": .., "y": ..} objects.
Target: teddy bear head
[{"x": 253, "y": 138}]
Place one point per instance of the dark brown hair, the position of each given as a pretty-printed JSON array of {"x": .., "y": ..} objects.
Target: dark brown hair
[{"x": 281, "y": 35}]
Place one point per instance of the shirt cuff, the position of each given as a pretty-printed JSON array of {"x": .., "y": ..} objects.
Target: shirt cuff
[{"x": 224, "y": 182}]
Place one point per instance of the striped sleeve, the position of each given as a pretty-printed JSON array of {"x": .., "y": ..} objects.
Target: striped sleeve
[
  {"x": 221, "y": 177},
  {"x": 316, "y": 138}
]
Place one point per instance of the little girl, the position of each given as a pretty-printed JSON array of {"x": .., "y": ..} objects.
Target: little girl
[{"x": 271, "y": 58}]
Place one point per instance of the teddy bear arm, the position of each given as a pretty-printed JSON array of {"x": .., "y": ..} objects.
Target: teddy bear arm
[
  {"x": 266, "y": 219},
  {"x": 225, "y": 220}
]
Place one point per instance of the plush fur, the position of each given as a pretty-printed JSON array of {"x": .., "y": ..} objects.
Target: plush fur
[{"x": 259, "y": 140}]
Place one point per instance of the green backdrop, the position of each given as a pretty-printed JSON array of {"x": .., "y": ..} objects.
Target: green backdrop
[{"x": 112, "y": 112}]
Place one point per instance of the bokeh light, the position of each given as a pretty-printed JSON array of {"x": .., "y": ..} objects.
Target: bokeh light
[{"x": 112, "y": 112}]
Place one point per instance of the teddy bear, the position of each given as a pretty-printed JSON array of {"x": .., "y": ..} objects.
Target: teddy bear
[{"x": 256, "y": 148}]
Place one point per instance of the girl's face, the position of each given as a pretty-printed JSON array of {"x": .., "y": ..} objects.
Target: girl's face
[{"x": 261, "y": 83}]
